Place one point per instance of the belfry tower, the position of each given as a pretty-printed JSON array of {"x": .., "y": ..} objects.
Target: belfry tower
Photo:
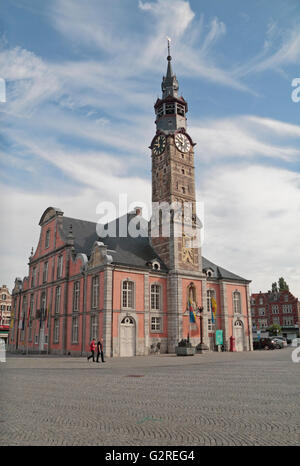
[
  {"x": 174, "y": 203},
  {"x": 173, "y": 180}
]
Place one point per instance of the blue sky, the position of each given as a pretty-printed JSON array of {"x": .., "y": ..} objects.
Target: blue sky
[{"x": 81, "y": 82}]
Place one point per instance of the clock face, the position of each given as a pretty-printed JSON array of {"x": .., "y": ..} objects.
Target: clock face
[
  {"x": 159, "y": 145},
  {"x": 182, "y": 142}
]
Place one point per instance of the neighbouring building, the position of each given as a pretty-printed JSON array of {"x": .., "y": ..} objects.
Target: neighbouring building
[
  {"x": 5, "y": 312},
  {"x": 278, "y": 307},
  {"x": 134, "y": 292}
]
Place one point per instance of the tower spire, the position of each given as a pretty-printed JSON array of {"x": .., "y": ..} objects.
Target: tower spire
[
  {"x": 169, "y": 84},
  {"x": 169, "y": 58}
]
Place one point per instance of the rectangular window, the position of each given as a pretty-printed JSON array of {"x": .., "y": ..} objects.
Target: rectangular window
[
  {"x": 276, "y": 320},
  {"x": 56, "y": 331},
  {"x": 57, "y": 300},
  {"x": 43, "y": 304},
  {"x": 45, "y": 272},
  {"x": 288, "y": 321},
  {"x": 59, "y": 266},
  {"x": 33, "y": 277},
  {"x": 237, "y": 302},
  {"x": 209, "y": 325},
  {"x": 275, "y": 309},
  {"x": 263, "y": 323},
  {"x": 287, "y": 308},
  {"x": 76, "y": 290},
  {"x": 155, "y": 324},
  {"x": 95, "y": 292},
  {"x": 209, "y": 295},
  {"x": 47, "y": 239},
  {"x": 94, "y": 327},
  {"x": 128, "y": 296},
  {"x": 155, "y": 297},
  {"x": 75, "y": 330},
  {"x": 261, "y": 311}
]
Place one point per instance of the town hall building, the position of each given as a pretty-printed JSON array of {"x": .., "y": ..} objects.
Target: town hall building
[{"x": 138, "y": 294}]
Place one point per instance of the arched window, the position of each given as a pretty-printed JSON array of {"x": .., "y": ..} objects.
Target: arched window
[
  {"x": 128, "y": 294},
  {"x": 237, "y": 308}
]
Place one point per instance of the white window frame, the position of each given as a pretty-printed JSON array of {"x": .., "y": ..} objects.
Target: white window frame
[
  {"x": 47, "y": 239},
  {"x": 57, "y": 301},
  {"x": 156, "y": 324},
  {"x": 95, "y": 292},
  {"x": 75, "y": 329},
  {"x": 94, "y": 327},
  {"x": 155, "y": 297},
  {"x": 45, "y": 272},
  {"x": 76, "y": 296},
  {"x": 128, "y": 294},
  {"x": 237, "y": 302},
  {"x": 56, "y": 329},
  {"x": 60, "y": 262}
]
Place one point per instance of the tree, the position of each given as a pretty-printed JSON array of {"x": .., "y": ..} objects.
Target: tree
[
  {"x": 275, "y": 329},
  {"x": 282, "y": 285},
  {"x": 274, "y": 287}
]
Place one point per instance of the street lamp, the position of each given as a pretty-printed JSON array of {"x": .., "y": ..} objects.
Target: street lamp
[{"x": 199, "y": 314}]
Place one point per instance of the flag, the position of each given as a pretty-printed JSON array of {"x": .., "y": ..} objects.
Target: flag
[
  {"x": 12, "y": 319},
  {"x": 192, "y": 314},
  {"x": 213, "y": 309}
]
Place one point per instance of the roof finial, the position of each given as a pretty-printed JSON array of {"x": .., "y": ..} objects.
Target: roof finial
[{"x": 169, "y": 40}]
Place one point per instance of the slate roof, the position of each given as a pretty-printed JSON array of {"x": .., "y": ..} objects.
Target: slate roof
[
  {"x": 221, "y": 273},
  {"x": 133, "y": 252}
]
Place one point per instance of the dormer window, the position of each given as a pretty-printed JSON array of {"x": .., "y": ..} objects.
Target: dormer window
[{"x": 209, "y": 273}]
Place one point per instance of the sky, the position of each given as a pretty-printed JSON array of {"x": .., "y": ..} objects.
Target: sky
[{"x": 81, "y": 80}]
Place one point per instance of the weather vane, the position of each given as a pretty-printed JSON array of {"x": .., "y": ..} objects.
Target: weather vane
[{"x": 169, "y": 40}]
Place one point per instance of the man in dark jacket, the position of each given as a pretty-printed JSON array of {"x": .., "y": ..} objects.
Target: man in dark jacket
[{"x": 100, "y": 351}]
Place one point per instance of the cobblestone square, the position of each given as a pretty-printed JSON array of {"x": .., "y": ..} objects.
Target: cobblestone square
[{"x": 247, "y": 398}]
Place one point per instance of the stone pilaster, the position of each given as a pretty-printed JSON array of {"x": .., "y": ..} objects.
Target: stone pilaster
[
  {"x": 146, "y": 312},
  {"x": 107, "y": 311},
  {"x": 249, "y": 320},
  {"x": 224, "y": 313},
  {"x": 205, "y": 314},
  {"x": 174, "y": 311}
]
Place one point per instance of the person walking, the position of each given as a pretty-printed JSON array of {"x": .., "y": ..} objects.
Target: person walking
[
  {"x": 100, "y": 351},
  {"x": 92, "y": 350}
]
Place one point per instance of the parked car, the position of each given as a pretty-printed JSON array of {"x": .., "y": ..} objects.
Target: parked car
[
  {"x": 278, "y": 342},
  {"x": 283, "y": 339},
  {"x": 264, "y": 343}
]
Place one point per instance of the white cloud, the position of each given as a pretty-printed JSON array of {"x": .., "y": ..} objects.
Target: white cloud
[
  {"x": 252, "y": 220},
  {"x": 246, "y": 136}
]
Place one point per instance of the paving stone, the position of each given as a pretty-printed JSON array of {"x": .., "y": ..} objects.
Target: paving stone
[{"x": 211, "y": 399}]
